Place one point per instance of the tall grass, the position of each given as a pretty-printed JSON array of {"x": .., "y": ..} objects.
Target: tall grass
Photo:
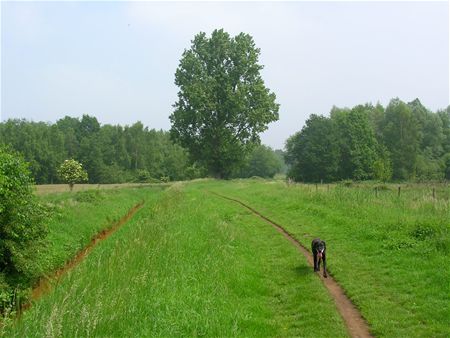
[
  {"x": 77, "y": 217},
  {"x": 187, "y": 264},
  {"x": 389, "y": 252}
]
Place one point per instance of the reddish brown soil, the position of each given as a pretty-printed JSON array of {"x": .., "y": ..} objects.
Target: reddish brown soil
[
  {"x": 356, "y": 325},
  {"x": 46, "y": 283}
]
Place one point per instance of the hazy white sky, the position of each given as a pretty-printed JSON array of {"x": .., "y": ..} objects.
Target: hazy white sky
[{"x": 116, "y": 60}]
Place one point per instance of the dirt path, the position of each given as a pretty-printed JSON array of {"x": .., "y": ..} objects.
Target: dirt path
[
  {"x": 46, "y": 283},
  {"x": 356, "y": 325}
]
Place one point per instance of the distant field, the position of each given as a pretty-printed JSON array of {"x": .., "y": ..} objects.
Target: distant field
[
  {"x": 190, "y": 263},
  {"x": 56, "y": 188}
]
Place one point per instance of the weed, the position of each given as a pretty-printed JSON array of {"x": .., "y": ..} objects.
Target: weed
[{"x": 89, "y": 196}]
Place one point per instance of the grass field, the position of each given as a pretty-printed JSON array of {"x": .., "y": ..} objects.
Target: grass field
[
  {"x": 75, "y": 219},
  {"x": 190, "y": 263},
  {"x": 187, "y": 265},
  {"x": 389, "y": 252}
]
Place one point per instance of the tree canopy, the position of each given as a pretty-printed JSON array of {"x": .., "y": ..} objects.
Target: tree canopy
[
  {"x": 223, "y": 103},
  {"x": 313, "y": 153},
  {"x": 404, "y": 141},
  {"x": 109, "y": 153},
  {"x": 262, "y": 162},
  {"x": 71, "y": 172}
]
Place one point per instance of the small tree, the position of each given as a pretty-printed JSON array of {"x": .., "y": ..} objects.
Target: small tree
[{"x": 71, "y": 172}]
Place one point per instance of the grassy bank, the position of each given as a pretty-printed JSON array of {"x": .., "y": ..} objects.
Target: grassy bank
[
  {"x": 389, "y": 252},
  {"x": 75, "y": 219},
  {"x": 188, "y": 264}
]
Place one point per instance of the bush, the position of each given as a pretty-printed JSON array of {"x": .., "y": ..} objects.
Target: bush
[
  {"x": 346, "y": 183},
  {"x": 89, "y": 196},
  {"x": 72, "y": 172},
  {"x": 143, "y": 176},
  {"x": 22, "y": 227}
]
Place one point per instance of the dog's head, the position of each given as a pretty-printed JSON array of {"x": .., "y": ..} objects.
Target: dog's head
[{"x": 320, "y": 249}]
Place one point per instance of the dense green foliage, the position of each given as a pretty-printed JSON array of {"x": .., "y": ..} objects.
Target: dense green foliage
[
  {"x": 72, "y": 172},
  {"x": 262, "y": 162},
  {"x": 223, "y": 103},
  {"x": 313, "y": 153},
  {"x": 404, "y": 141},
  {"x": 22, "y": 226},
  {"x": 109, "y": 154}
]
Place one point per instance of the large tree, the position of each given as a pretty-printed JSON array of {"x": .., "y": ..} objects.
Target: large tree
[
  {"x": 357, "y": 143},
  {"x": 402, "y": 137},
  {"x": 223, "y": 103},
  {"x": 313, "y": 153}
]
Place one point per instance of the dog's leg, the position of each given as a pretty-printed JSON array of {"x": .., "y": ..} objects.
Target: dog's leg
[{"x": 315, "y": 261}]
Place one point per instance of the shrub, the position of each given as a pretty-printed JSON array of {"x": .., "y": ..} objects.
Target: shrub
[
  {"x": 72, "y": 172},
  {"x": 89, "y": 196},
  {"x": 346, "y": 183},
  {"x": 22, "y": 227},
  {"x": 143, "y": 176}
]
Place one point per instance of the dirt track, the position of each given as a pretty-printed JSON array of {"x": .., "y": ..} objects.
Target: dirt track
[
  {"x": 356, "y": 325},
  {"x": 46, "y": 283}
]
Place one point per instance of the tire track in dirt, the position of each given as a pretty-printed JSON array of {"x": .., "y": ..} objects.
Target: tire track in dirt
[
  {"x": 356, "y": 325},
  {"x": 46, "y": 283}
]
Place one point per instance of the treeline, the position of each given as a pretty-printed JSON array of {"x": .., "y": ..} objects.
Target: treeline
[
  {"x": 404, "y": 141},
  {"x": 115, "y": 154},
  {"x": 109, "y": 154}
]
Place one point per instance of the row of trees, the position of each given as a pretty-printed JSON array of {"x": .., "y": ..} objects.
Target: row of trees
[
  {"x": 110, "y": 154},
  {"x": 404, "y": 141},
  {"x": 115, "y": 154}
]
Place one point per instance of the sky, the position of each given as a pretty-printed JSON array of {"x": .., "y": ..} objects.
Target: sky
[{"x": 116, "y": 60}]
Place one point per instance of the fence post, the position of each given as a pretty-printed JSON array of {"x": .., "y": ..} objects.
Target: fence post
[{"x": 399, "y": 190}]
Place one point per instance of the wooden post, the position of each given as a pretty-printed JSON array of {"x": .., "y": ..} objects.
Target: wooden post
[
  {"x": 399, "y": 190},
  {"x": 434, "y": 193},
  {"x": 317, "y": 187}
]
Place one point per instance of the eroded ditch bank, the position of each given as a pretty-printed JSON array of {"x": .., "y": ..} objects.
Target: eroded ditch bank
[
  {"x": 356, "y": 325},
  {"x": 47, "y": 282}
]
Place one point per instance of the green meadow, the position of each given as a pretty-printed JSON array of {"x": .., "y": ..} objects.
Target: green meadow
[
  {"x": 389, "y": 252},
  {"x": 190, "y": 263}
]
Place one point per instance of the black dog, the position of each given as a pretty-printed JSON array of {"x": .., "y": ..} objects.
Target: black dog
[{"x": 319, "y": 250}]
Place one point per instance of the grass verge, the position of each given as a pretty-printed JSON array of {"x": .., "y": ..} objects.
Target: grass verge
[{"x": 76, "y": 219}]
